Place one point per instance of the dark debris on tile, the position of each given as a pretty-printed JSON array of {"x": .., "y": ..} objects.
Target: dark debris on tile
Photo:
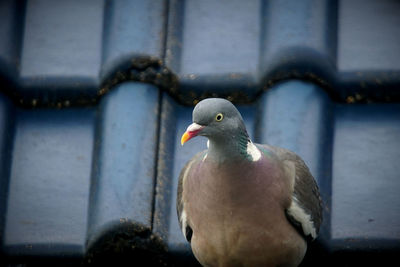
[{"x": 95, "y": 94}]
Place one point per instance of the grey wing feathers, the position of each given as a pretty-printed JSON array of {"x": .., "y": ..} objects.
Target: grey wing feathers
[
  {"x": 186, "y": 230},
  {"x": 305, "y": 213}
]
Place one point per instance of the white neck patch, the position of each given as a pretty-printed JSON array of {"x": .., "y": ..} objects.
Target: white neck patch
[{"x": 253, "y": 151}]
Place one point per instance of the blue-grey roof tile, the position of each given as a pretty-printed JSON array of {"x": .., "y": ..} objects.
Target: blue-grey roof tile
[
  {"x": 124, "y": 159},
  {"x": 364, "y": 176},
  {"x": 368, "y": 49},
  {"x": 11, "y": 14},
  {"x": 132, "y": 29},
  {"x": 94, "y": 96},
  {"x": 49, "y": 181}
]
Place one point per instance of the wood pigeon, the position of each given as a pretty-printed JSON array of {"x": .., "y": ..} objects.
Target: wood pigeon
[{"x": 240, "y": 203}]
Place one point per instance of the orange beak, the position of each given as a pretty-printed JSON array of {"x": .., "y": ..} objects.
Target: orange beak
[{"x": 192, "y": 131}]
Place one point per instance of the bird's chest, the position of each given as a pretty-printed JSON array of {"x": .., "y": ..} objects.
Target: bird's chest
[
  {"x": 235, "y": 209},
  {"x": 233, "y": 190},
  {"x": 234, "y": 195}
]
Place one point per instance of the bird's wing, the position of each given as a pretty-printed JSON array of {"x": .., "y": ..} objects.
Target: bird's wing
[
  {"x": 180, "y": 207},
  {"x": 305, "y": 211}
]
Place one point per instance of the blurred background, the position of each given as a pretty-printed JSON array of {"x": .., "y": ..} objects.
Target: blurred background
[{"x": 94, "y": 96}]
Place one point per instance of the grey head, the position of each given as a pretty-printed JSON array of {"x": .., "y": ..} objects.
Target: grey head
[
  {"x": 220, "y": 117},
  {"x": 219, "y": 121}
]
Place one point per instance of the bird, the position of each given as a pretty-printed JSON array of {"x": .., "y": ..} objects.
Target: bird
[{"x": 240, "y": 203}]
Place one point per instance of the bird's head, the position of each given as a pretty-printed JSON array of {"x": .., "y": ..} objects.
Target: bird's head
[{"x": 215, "y": 118}]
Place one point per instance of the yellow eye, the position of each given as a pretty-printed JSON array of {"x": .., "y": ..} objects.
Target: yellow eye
[{"x": 219, "y": 117}]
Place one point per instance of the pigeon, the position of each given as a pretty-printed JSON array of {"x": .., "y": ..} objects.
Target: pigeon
[{"x": 240, "y": 203}]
